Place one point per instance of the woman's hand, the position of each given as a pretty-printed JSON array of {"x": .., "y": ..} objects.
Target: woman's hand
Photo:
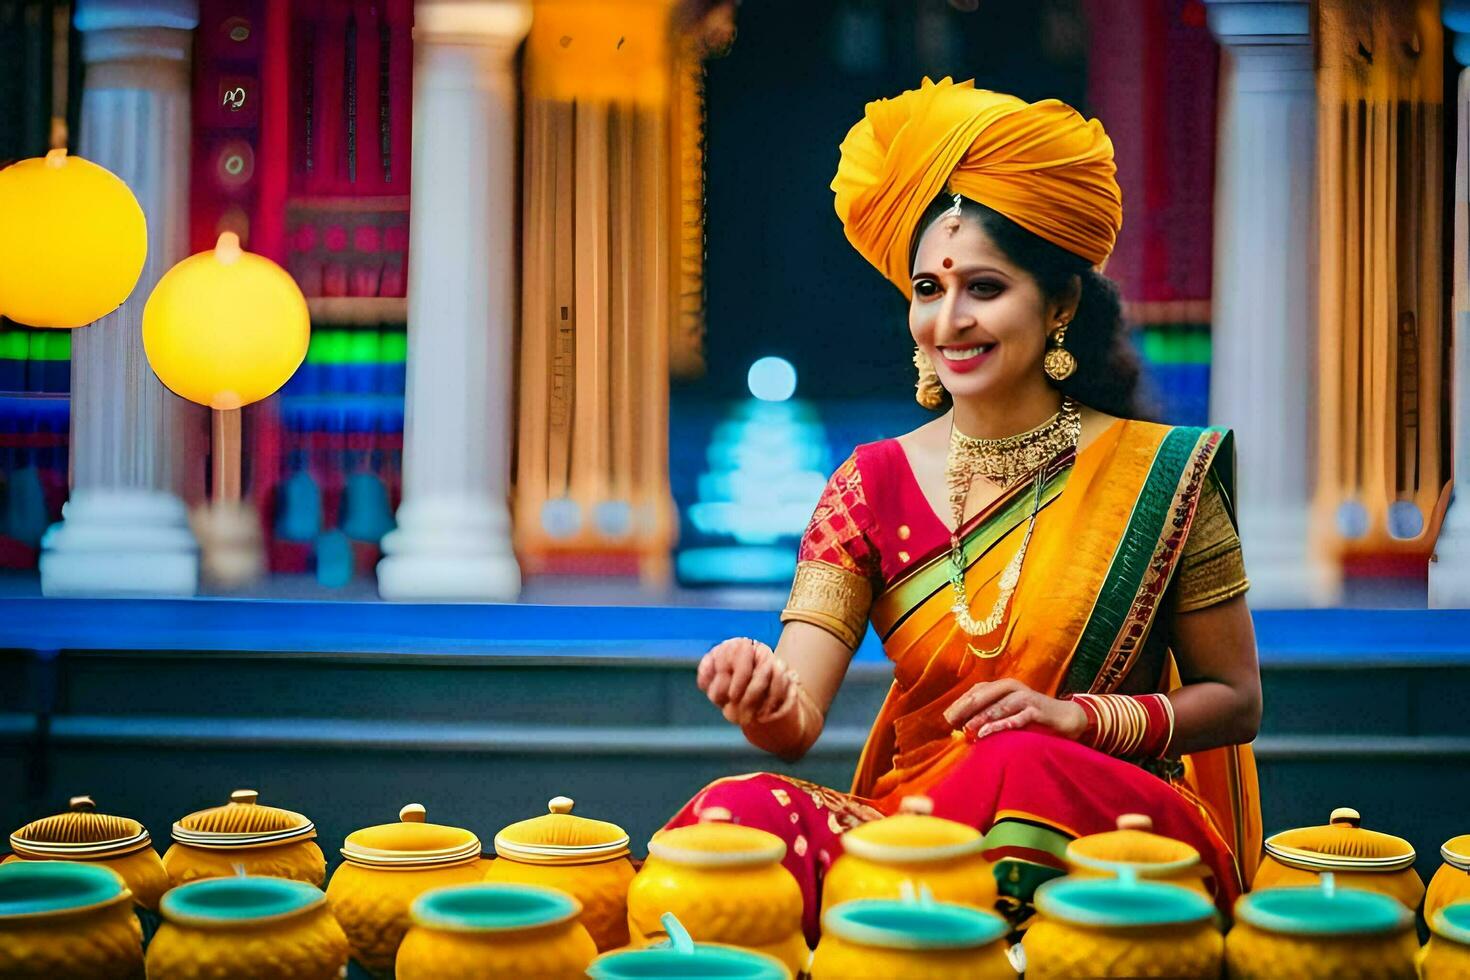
[
  {"x": 746, "y": 680},
  {"x": 1005, "y": 705}
]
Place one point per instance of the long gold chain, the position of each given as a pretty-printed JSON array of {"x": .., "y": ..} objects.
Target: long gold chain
[{"x": 1002, "y": 461}]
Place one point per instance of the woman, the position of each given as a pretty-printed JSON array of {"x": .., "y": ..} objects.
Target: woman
[{"x": 1059, "y": 587}]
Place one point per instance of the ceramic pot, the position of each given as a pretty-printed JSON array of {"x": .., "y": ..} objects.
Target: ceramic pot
[
  {"x": 725, "y": 883},
  {"x": 1135, "y": 845},
  {"x": 470, "y": 932},
  {"x": 1121, "y": 927},
  {"x": 1358, "y": 858},
  {"x": 244, "y": 835},
  {"x": 911, "y": 847},
  {"x": 914, "y": 937},
  {"x": 1447, "y": 954},
  {"x": 1451, "y": 883},
  {"x": 1321, "y": 932},
  {"x": 67, "y": 919},
  {"x": 246, "y": 927},
  {"x": 82, "y": 834},
  {"x": 388, "y": 866},
  {"x": 587, "y": 859}
]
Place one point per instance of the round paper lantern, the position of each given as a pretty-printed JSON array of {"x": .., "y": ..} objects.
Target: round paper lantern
[
  {"x": 226, "y": 327},
  {"x": 72, "y": 241}
]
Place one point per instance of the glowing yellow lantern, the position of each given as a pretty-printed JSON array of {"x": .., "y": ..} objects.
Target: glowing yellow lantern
[
  {"x": 72, "y": 241},
  {"x": 226, "y": 327}
]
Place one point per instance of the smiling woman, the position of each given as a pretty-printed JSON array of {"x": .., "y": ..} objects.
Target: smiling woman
[
  {"x": 1032, "y": 278},
  {"x": 1058, "y": 584}
]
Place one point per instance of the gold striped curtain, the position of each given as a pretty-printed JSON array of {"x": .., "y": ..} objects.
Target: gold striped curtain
[
  {"x": 599, "y": 287},
  {"x": 1383, "y": 445},
  {"x": 686, "y": 346}
]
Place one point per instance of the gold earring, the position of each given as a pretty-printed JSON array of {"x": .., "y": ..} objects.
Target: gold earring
[
  {"x": 1059, "y": 364},
  {"x": 928, "y": 392}
]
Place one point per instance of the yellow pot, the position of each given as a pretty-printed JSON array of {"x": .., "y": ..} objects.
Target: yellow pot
[
  {"x": 1447, "y": 954},
  {"x": 386, "y": 868},
  {"x": 484, "y": 931},
  {"x": 66, "y": 919},
  {"x": 915, "y": 848},
  {"x": 1151, "y": 856},
  {"x": 1321, "y": 933},
  {"x": 681, "y": 956},
  {"x": 725, "y": 883},
  {"x": 246, "y": 927},
  {"x": 242, "y": 834},
  {"x": 1451, "y": 883},
  {"x": 878, "y": 938},
  {"x": 587, "y": 859},
  {"x": 81, "y": 834},
  {"x": 1359, "y": 858},
  {"x": 1121, "y": 927}
]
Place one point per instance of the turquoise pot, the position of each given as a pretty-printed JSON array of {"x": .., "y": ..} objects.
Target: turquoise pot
[
  {"x": 682, "y": 957},
  {"x": 246, "y": 926},
  {"x": 67, "y": 919},
  {"x": 1322, "y": 911}
]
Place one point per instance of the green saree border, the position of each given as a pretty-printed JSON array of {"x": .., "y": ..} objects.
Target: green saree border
[
  {"x": 1168, "y": 497},
  {"x": 932, "y": 576}
]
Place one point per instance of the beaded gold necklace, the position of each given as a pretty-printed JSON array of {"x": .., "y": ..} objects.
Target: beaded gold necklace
[{"x": 1003, "y": 462}]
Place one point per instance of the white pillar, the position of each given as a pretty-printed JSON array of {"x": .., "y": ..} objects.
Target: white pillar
[
  {"x": 1265, "y": 281},
  {"x": 453, "y": 537},
  {"x": 1449, "y": 568},
  {"x": 124, "y": 529}
]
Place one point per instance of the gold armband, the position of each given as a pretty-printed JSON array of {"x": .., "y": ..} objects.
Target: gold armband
[{"x": 838, "y": 601}]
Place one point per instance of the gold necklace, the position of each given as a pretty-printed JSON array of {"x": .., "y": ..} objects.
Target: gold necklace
[{"x": 1002, "y": 461}]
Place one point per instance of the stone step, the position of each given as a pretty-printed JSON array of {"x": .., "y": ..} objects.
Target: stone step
[{"x": 1409, "y": 699}]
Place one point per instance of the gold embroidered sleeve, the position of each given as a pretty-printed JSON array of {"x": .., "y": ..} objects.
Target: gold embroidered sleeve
[
  {"x": 832, "y": 598},
  {"x": 1211, "y": 568}
]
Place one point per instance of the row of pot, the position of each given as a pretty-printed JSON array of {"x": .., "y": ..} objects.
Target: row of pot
[
  {"x": 724, "y": 881},
  {"x": 62, "y": 918}
]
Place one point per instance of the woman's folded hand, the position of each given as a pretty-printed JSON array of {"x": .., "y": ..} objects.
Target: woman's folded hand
[{"x": 1006, "y": 705}]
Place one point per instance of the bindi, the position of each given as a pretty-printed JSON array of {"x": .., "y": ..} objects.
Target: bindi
[{"x": 948, "y": 263}]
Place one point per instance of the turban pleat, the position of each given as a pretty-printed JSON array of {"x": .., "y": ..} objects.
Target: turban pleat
[{"x": 1038, "y": 163}]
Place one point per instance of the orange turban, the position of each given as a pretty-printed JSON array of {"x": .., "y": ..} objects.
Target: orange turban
[{"x": 1039, "y": 163}]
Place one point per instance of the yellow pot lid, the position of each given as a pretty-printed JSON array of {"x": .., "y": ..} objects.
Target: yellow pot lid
[
  {"x": 242, "y": 822},
  {"x": 80, "y": 834},
  {"x": 1134, "y": 844},
  {"x": 715, "y": 844},
  {"x": 1341, "y": 845},
  {"x": 411, "y": 844},
  {"x": 1456, "y": 852},
  {"x": 912, "y": 836},
  {"x": 560, "y": 837}
]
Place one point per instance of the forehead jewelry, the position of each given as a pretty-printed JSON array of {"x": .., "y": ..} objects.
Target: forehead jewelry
[{"x": 951, "y": 217}]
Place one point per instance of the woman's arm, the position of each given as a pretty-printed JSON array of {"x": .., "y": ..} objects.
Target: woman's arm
[
  {"x": 778, "y": 698},
  {"x": 1220, "y": 700},
  {"x": 1218, "y": 704}
]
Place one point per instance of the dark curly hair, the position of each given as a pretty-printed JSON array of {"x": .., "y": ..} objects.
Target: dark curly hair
[{"x": 1108, "y": 375}]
